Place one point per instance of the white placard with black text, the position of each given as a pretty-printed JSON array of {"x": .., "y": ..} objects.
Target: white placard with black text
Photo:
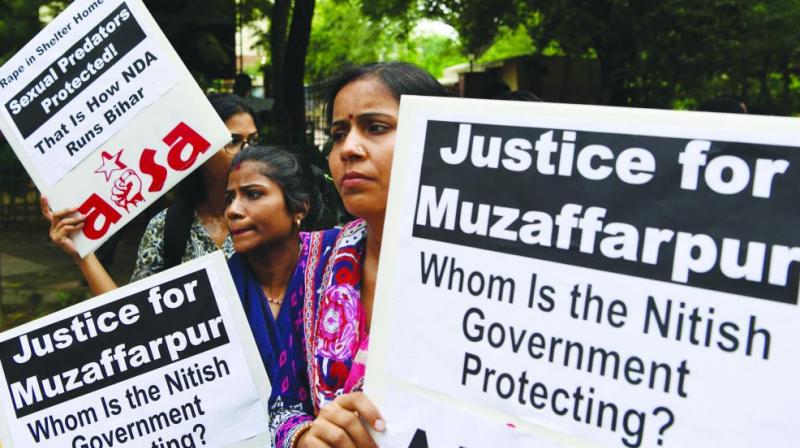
[
  {"x": 165, "y": 361},
  {"x": 103, "y": 114},
  {"x": 596, "y": 276}
]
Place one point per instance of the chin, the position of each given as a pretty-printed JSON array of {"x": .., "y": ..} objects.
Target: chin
[
  {"x": 365, "y": 207},
  {"x": 242, "y": 246}
]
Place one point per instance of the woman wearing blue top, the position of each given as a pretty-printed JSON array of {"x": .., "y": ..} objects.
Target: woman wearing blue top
[{"x": 269, "y": 198}]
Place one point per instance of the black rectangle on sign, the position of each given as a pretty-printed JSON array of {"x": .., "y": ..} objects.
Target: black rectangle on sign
[
  {"x": 55, "y": 367},
  {"x": 659, "y": 203},
  {"x": 111, "y": 34}
]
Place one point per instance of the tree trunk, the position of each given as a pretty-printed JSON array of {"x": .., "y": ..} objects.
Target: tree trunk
[
  {"x": 294, "y": 67},
  {"x": 279, "y": 20}
]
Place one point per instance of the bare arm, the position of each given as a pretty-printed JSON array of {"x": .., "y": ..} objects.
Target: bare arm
[{"x": 62, "y": 224}]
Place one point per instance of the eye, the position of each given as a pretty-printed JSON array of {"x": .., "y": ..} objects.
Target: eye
[
  {"x": 338, "y": 134},
  {"x": 377, "y": 127},
  {"x": 228, "y": 198},
  {"x": 253, "y": 195}
]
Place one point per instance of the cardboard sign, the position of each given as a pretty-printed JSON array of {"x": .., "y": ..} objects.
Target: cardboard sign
[
  {"x": 593, "y": 276},
  {"x": 166, "y": 361},
  {"x": 103, "y": 114}
]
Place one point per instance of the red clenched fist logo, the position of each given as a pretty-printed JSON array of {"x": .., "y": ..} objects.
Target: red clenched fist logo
[
  {"x": 127, "y": 189},
  {"x": 184, "y": 147}
]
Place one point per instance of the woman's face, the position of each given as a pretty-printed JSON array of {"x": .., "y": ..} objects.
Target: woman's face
[
  {"x": 242, "y": 127},
  {"x": 255, "y": 210},
  {"x": 363, "y": 131}
]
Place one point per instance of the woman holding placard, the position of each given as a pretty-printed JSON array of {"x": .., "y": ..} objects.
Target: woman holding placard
[
  {"x": 193, "y": 226},
  {"x": 315, "y": 401},
  {"x": 269, "y": 197}
]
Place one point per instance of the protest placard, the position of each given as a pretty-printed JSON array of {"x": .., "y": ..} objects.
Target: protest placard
[
  {"x": 103, "y": 114},
  {"x": 168, "y": 361},
  {"x": 593, "y": 276}
]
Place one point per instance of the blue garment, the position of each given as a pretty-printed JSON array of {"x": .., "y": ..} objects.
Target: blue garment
[
  {"x": 274, "y": 336},
  {"x": 333, "y": 260}
]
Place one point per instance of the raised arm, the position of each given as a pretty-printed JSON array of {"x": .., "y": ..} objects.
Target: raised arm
[{"x": 62, "y": 224}]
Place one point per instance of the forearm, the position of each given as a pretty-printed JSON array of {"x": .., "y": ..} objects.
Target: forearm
[{"x": 96, "y": 275}]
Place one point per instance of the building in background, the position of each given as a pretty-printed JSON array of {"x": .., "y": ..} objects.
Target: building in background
[{"x": 552, "y": 78}]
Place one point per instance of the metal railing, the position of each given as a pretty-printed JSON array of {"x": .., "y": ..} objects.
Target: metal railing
[
  {"x": 19, "y": 198},
  {"x": 316, "y": 124}
]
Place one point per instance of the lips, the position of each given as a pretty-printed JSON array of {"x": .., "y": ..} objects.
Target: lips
[
  {"x": 235, "y": 232},
  {"x": 353, "y": 179}
]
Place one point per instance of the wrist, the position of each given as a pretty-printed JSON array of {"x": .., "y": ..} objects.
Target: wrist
[{"x": 299, "y": 433}]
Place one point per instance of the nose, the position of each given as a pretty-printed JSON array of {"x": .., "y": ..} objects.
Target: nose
[
  {"x": 233, "y": 210},
  {"x": 353, "y": 147}
]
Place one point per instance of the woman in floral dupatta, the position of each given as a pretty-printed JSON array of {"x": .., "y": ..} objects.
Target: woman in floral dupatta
[{"x": 316, "y": 399}]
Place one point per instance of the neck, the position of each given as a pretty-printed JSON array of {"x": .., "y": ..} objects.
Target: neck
[
  {"x": 369, "y": 269},
  {"x": 273, "y": 266},
  {"x": 374, "y": 237}
]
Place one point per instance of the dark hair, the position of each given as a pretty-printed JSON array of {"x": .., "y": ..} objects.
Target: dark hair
[
  {"x": 518, "y": 95},
  {"x": 192, "y": 190},
  {"x": 727, "y": 104},
  {"x": 242, "y": 84},
  {"x": 302, "y": 184},
  {"x": 227, "y": 105},
  {"x": 401, "y": 78}
]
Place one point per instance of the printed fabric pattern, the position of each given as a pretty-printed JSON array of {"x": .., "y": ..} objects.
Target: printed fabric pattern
[
  {"x": 333, "y": 329},
  {"x": 150, "y": 259},
  {"x": 274, "y": 336}
]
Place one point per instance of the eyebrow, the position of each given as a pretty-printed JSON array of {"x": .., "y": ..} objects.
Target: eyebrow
[
  {"x": 362, "y": 117},
  {"x": 249, "y": 186}
]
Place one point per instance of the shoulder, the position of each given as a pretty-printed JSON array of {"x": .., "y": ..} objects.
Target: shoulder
[
  {"x": 157, "y": 221},
  {"x": 236, "y": 262},
  {"x": 154, "y": 232},
  {"x": 347, "y": 235},
  {"x": 237, "y": 265},
  {"x": 150, "y": 257},
  {"x": 353, "y": 233}
]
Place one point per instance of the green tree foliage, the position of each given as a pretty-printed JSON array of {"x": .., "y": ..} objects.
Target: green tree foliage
[
  {"x": 202, "y": 37},
  {"x": 433, "y": 52},
  {"x": 19, "y": 22},
  {"x": 654, "y": 53},
  {"x": 509, "y": 42},
  {"x": 477, "y": 21},
  {"x": 343, "y": 34},
  {"x": 651, "y": 54}
]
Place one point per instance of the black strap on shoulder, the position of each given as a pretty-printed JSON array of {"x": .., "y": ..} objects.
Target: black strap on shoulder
[{"x": 177, "y": 225}]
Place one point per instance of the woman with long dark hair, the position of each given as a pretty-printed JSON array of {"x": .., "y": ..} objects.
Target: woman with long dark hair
[{"x": 316, "y": 401}]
